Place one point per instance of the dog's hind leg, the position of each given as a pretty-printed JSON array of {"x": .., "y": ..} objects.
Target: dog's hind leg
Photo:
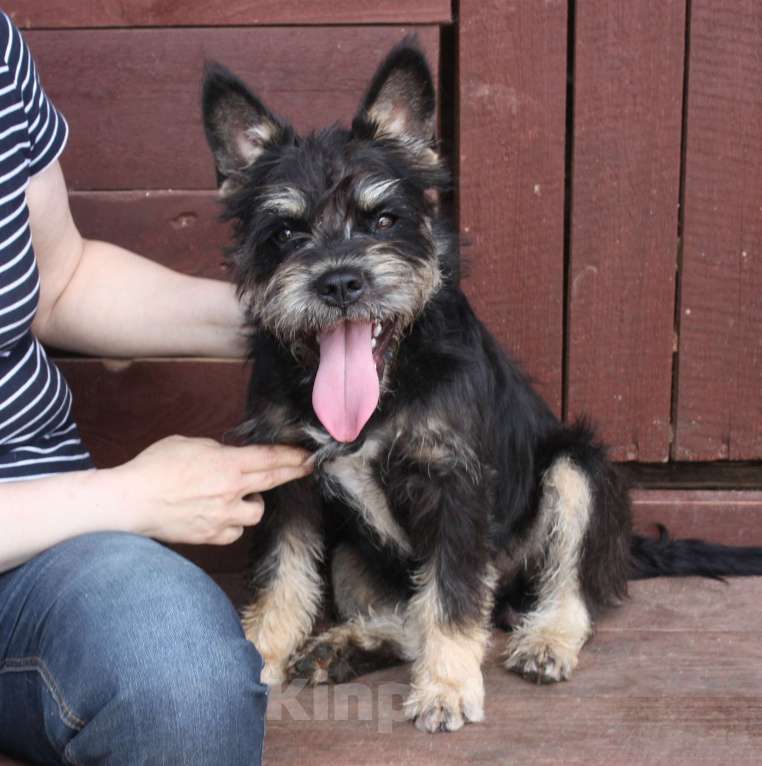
[
  {"x": 360, "y": 645},
  {"x": 545, "y": 645},
  {"x": 373, "y": 634}
]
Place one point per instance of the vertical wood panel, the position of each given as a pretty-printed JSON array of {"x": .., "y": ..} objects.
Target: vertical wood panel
[
  {"x": 626, "y": 165},
  {"x": 512, "y": 62},
  {"x": 719, "y": 404}
]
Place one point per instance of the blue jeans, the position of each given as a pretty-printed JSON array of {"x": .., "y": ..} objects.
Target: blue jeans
[{"x": 115, "y": 650}]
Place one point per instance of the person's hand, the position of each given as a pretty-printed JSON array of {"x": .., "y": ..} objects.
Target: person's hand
[{"x": 185, "y": 490}]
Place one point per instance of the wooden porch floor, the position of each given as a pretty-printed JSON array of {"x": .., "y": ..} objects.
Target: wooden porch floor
[{"x": 673, "y": 677}]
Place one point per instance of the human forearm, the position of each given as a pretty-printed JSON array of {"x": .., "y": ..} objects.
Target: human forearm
[
  {"x": 102, "y": 299},
  {"x": 177, "y": 490},
  {"x": 35, "y": 515},
  {"x": 121, "y": 304}
]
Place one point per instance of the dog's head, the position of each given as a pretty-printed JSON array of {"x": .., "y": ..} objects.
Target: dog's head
[{"x": 338, "y": 243}]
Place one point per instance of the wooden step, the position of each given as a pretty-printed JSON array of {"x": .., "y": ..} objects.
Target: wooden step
[{"x": 672, "y": 677}]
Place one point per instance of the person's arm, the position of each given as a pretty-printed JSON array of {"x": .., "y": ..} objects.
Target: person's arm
[
  {"x": 97, "y": 298},
  {"x": 101, "y": 299},
  {"x": 178, "y": 490}
]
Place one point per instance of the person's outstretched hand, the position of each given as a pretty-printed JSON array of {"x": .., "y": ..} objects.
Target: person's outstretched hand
[{"x": 186, "y": 490}]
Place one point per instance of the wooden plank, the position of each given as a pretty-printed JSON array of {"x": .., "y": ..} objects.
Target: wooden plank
[
  {"x": 54, "y": 14},
  {"x": 673, "y": 695},
  {"x": 722, "y": 516},
  {"x": 123, "y": 406},
  {"x": 512, "y": 59},
  {"x": 719, "y": 395},
  {"x": 661, "y": 729},
  {"x": 693, "y": 475},
  {"x": 137, "y": 125},
  {"x": 689, "y": 604},
  {"x": 182, "y": 230},
  {"x": 626, "y": 162}
]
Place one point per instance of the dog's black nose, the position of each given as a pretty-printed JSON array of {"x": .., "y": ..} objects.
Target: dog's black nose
[{"x": 341, "y": 287}]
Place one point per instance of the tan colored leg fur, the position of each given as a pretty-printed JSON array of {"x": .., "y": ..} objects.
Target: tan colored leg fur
[
  {"x": 545, "y": 646},
  {"x": 281, "y": 617},
  {"x": 447, "y": 686}
]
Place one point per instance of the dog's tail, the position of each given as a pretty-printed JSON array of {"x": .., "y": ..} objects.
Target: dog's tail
[{"x": 664, "y": 556}]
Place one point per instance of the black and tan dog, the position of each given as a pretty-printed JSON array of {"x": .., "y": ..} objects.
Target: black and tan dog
[{"x": 445, "y": 490}]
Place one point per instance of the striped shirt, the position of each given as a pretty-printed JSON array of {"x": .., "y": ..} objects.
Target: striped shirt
[{"x": 37, "y": 434}]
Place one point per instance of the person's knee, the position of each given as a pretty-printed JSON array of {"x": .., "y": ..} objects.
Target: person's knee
[
  {"x": 206, "y": 701},
  {"x": 164, "y": 655},
  {"x": 192, "y": 705},
  {"x": 132, "y": 587}
]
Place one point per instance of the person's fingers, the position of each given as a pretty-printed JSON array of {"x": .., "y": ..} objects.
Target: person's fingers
[
  {"x": 248, "y": 510},
  {"x": 261, "y": 481},
  {"x": 260, "y": 457},
  {"x": 226, "y": 536}
]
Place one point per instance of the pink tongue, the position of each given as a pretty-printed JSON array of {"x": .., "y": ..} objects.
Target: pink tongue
[{"x": 346, "y": 388}]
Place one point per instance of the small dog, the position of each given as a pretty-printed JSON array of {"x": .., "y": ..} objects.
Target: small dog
[{"x": 446, "y": 494}]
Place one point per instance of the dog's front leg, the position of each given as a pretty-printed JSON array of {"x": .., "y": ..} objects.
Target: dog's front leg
[
  {"x": 286, "y": 581},
  {"x": 449, "y": 612},
  {"x": 447, "y": 688}
]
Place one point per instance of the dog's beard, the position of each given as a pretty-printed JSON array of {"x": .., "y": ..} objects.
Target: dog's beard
[{"x": 351, "y": 349}]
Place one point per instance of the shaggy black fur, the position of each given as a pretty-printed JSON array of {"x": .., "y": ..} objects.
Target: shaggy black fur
[{"x": 460, "y": 442}]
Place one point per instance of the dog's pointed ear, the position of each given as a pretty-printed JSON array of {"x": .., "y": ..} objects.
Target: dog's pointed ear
[
  {"x": 238, "y": 126},
  {"x": 401, "y": 101}
]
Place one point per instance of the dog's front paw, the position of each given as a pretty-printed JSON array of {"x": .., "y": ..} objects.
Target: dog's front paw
[
  {"x": 443, "y": 707},
  {"x": 541, "y": 662}
]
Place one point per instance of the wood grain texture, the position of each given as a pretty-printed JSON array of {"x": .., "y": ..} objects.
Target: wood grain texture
[
  {"x": 716, "y": 475},
  {"x": 137, "y": 125},
  {"x": 719, "y": 395},
  {"x": 122, "y": 406},
  {"x": 689, "y": 604},
  {"x": 625, "y": 185},
  {"x": 32, "y": 14},
  {"x": 181, "y": 230},
  {"x": 512, "y": 58},
  {"x": 654, "y": 687},
  {"x": 722, "y": 516}
]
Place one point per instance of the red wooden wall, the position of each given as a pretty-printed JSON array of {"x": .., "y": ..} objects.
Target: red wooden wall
[
  {"x": 512, "y": 123},
  {"x": 719, "y": 379},
  {"x": 616, "y": 224},
  {"x": 608, "y": 162}
]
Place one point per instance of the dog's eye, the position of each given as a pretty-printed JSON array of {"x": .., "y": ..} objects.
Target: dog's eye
[
  {"x": 385, "y": 221},
  {"x": 284, "y": 235}
]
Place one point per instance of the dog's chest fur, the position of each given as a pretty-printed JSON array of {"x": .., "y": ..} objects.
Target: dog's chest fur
[{"x": 354, "y": 479}]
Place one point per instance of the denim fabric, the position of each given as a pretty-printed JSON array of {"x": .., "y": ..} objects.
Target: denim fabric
[{"x": 115, "y": 650}]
